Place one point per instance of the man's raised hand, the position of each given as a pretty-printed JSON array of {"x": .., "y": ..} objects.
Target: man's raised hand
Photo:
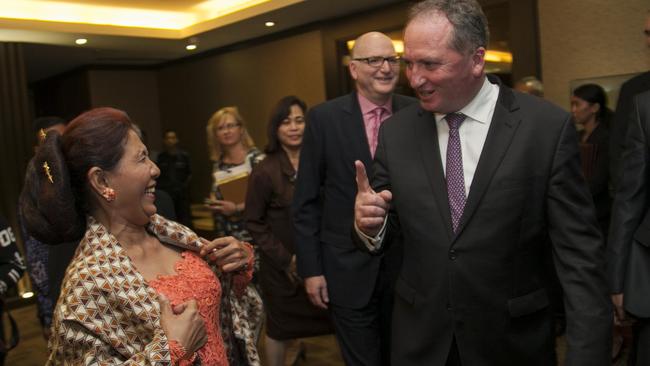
[{"x": 370, "y": 207}]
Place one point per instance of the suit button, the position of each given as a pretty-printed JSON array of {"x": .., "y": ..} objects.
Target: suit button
[{"x": 452, "y": 255}]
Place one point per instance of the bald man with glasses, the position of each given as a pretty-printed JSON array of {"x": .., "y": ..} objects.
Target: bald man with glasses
[{"x": 355, "y": 286}]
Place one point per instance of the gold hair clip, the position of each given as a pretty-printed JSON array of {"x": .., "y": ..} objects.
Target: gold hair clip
[
  {"x": 42, "y": 135},
  {"x": 46, "y": 168}
]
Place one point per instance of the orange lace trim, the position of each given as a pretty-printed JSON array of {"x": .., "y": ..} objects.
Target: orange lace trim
[
  {"x": 178, "y": 354},
  {"x": 195, "y": 280}
]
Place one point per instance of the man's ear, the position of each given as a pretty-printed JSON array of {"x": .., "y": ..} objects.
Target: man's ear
[
  {"x": 97, "y": 179},
  {"x": 352, "y": 66},
  {"x": 478, "y": 61}
]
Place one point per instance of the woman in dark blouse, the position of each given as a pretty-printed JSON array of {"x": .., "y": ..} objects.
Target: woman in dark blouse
[
  {"x": 290, "y": 315},
  {"x": 589, "y": 109}
]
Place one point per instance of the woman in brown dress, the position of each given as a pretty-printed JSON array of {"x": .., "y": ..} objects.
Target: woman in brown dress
[{"x": 289, "y": 314}]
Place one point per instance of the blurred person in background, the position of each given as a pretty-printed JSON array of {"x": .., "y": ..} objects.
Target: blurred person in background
[
  {"x": 233, "y": 153},
  {"x": 625, "y": 111},
  {"x": 530, "y": 85},
  {"x": 11, "y": 269},
  {"x": 289, "y": 313},
  {"x": 590, "y": 113},
  {"x": 629, "y": 234},
  {"x": 175, "y": 175}
]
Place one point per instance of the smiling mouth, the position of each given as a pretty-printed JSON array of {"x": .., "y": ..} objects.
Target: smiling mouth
[
  {"x": 385, "y": 79},
  {"x": 426, "y": 93},
  {"x": 150, "y": 190}
]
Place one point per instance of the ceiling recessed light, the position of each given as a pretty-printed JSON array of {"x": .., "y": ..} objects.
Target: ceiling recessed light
[
  {"x": 269, "y": 24},
  {"x": 190, "y": 47},
  {"x": 81, "y": 41}
]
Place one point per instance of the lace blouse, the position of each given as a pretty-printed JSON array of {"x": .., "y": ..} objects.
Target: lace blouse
[{"x": 195, "y": 280}]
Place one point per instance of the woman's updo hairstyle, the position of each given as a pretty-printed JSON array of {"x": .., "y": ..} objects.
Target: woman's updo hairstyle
[{"x": 54, "y": 211}]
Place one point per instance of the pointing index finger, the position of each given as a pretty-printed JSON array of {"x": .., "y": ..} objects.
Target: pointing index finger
[{"x": 363, "y": 185}]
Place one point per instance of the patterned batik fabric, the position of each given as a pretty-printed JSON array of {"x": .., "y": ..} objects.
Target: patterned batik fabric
[{"x": 107, "y": 314}]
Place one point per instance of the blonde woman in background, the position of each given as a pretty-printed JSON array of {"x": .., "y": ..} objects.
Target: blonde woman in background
[{"x": 233, "y": 152}]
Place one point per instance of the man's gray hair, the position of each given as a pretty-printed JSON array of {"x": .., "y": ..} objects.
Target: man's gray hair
[{"x": 470, "y": 26}]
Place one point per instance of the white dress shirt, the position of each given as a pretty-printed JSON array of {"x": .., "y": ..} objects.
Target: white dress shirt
[{"x": 473, "y": 132}]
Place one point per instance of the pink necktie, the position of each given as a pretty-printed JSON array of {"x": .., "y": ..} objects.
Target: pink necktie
[{"x": 375, "y": 122}]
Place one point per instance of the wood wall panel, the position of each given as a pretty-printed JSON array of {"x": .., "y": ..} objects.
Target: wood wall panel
[{"x": 15, "y": 128}]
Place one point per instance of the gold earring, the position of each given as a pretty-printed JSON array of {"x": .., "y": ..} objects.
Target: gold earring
[{"x": 109, "y": 194}]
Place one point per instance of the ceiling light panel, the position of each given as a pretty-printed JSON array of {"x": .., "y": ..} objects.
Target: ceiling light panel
[
  {"x": 123, "y": 16},
  {"x": 60, "y": 11}
]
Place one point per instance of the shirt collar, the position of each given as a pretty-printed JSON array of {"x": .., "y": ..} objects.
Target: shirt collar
[
  {"x": 367, "y": 106},
  {"x": 479, "y": 108}
]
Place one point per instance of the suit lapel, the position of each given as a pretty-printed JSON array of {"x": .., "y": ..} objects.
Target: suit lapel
[
  {"x": 426, "y": 135},
  {"x": 354, "y": 127},
  {"x": 502, "y": 129}
]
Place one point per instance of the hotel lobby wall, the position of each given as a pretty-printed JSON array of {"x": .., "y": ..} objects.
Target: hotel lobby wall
[
  {"x": 16, "y": 139},
  {"x": 590, "y": 38},
  {"x": 135, "y": 91},
  {"x": 252, "y": 78}
]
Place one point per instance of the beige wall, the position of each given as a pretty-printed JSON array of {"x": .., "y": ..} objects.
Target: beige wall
[
  {"x": 135, "y": 91},
  {"x": 253, "y": 78},
  {"x": 590, "y": 38}
]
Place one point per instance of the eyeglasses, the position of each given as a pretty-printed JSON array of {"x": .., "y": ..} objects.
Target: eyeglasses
[
  {"x": 378, "y": 61},
  {"x": 228, "y": 126}
]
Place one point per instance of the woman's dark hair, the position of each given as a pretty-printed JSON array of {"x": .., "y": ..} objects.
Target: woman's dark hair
[
  {"x": 54, "y": 211},
  {"x": 279, "y": 114},
  {"x": 594, "y": 94}
]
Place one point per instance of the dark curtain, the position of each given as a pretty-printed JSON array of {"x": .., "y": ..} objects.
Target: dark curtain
[{"x": 15, "y": 128}]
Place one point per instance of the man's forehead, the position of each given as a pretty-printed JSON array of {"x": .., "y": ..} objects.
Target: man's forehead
[
  {"x": 376, "y": 47},
  {"x": 427, "y": 34}
]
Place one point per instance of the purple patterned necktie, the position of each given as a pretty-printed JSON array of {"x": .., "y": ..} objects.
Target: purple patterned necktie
[{"x": 454, "y": 170}]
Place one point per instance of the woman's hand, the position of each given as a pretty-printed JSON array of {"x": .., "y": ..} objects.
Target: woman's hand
[
  {"x": 227, "y": 253},
  {"x": 227, "y": 208},
  {"x": 183, "y": 324}
]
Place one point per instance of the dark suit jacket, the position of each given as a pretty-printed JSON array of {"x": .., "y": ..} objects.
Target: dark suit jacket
[
  {"x": 485, "y": 285},
  {"x": 596, "y": 169},
  {"x": 323, "y": 206},
  {"x": 629, "y": 238},
  {"x": 622, "y": 118}
]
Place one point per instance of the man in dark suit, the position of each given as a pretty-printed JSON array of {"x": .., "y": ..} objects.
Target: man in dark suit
[
  {"x": 354, "y": 285},
  {"x": 624, "y": 112},
  {"x": 629, "y": 237},
  {"x": 476, "y": 178}
]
